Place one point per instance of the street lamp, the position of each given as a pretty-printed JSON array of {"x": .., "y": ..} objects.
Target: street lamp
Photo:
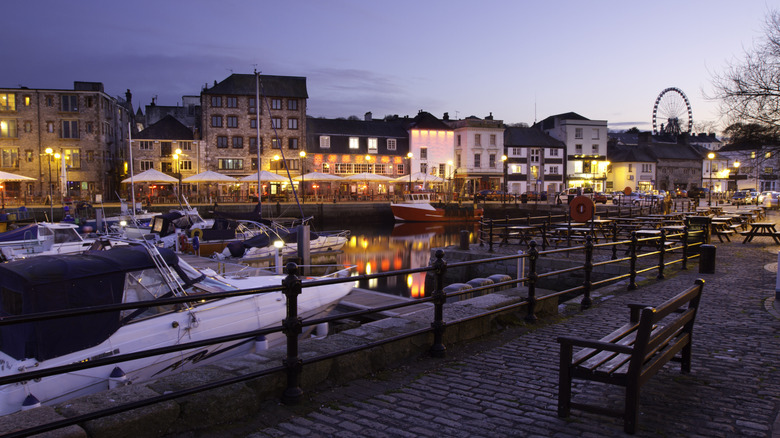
[
  {"x": 303, "y": 171},
  {"x": 711, "y": 155},
  {"x": 177, "y": 170},
  {"x": 410, "y": 156},
  {"x": 449, "y": 183},
  {"x": 736, "y": 171},
  {"x": 49, "y": 153},
  {"x": 504, "y": 193}
]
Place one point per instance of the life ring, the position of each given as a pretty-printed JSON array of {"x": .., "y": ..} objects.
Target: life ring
[
  {"x": 197, "y": 232},
  {"x": 184, "y": 244},
  {"x": 581, "y": 209}
]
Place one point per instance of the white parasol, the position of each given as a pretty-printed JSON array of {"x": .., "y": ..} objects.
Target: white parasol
[
  {"x": 209, "y": 176},
  {"x": 149, "y": 176}
]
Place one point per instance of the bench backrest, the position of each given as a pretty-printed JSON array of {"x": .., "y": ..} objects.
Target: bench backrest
[{"x": 669, "y": 323}]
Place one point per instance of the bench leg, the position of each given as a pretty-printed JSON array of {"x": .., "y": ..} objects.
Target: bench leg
[
  {"x": 564, "y": 382},
  {"x": 685, "y": 359},
  {"x": 632, "y": 408}
]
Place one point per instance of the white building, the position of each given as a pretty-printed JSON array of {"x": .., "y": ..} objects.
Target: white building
[{"x": 478, "y": 149}]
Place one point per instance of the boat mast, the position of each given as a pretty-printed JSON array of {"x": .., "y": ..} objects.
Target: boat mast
[
  {"x": 259, "y": 154},
  {"x": 130, "y": 154}
]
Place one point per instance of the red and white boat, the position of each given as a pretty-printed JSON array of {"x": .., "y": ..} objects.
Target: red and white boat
[{"x": 417, "y": 207}]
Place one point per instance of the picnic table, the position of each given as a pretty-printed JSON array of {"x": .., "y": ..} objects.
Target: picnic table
[{"x": 761, "y": 229}]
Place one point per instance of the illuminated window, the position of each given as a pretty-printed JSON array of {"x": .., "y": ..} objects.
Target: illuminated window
[
  {"x": 9, "y": 157},
  {"x": 275, "y": 143},
  {"x": 372, "y": 145},
  {"x": 70, "y": 103},
  {"x": 230, "y": 164},
  {"x": 354, "y": 143},
  {"x": 391, "y": 144},
  {"x": 185, "y": 165},
  {"x": 7, "y": 102},
  {"x": 325, "y": 142},
  {"x": 8, "y": 129},
  {"x": 26, "y": 100},
  {"x": 70, "y": 129},
  {"x": 72, "y": 157},
  {"x": 292, "y": 123},
  {"x": 232, "y": 122}
]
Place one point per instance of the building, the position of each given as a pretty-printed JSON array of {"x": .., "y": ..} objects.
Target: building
[
  {"x": 171, "y": 148},
  {"x": 189, "y": 113},
  {"x": 478, "y": 149},
  {"x": 70, "y": 141},
  {"x": 535, "y": 161},
  {"x": 586, "y": 148},
  {"x": 631, "y": 166},
  {"x": 751, "y": 167},
  {"x": 679, "y": 164},
  {"x": 239, "y": 136},
  {"x": 431, "y": 145}
]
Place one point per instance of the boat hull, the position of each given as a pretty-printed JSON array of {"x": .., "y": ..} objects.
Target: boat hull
[{"x": 422, "y": 213}]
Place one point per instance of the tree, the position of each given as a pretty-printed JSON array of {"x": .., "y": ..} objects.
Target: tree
[
  {"x": 632, "y": 130},
  {"x": 749, "y": 92}
]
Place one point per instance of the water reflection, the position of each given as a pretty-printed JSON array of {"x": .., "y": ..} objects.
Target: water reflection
[{"x": 374, "y": 249}]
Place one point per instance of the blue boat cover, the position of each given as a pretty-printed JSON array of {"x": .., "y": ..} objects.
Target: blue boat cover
[{"x": 27, "y": 232}]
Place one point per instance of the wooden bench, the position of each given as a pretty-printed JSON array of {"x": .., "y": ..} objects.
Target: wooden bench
[{"x": 630, "y": 355}]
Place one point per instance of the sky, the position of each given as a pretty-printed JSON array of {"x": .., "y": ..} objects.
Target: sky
[{"x": 520, "y": 61}]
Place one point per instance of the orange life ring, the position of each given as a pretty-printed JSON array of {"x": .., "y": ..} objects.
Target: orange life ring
[{"x": 581, "y": 209}]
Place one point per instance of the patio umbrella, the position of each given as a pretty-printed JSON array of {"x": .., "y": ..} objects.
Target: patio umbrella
[
  {"x": 264, "y": 176},
  {"x": 150, "y": 176},
  {"x": 366, "y": 176},
  {"x": 420, "y": 177},
  {"x": 6, "y": 176},
  {"x": 318, "y": 176},
  {"x": 209, "y": 176}
]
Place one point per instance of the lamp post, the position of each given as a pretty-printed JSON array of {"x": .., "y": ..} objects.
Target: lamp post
[
  {"x": 711, "y": 155},
  {"x": 505, "y": 191},
  {"x": 410, "y": 156},
  {"x": 177, "y": 169},
  {"x": 303, "y": 178},
  {"x": 49, "y": 153},
  {"x": 449, "y": 183},
  {"x": 736, "y": 172}
]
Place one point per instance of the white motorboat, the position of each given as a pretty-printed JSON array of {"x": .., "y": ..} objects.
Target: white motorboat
[
  {"x": 130, "y": 273},
  {"x": 43, "y": 238},
  {"x": 259, "y": 240}
]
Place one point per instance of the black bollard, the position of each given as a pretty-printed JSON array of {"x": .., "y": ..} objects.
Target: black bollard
[{"x": 707, "y": 259}]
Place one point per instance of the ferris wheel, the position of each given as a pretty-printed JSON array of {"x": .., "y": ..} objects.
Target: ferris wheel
[{"x": 673, "y": 110}]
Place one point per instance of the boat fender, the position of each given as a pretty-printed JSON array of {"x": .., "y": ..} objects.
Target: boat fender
[
  {"x": 197, "y": 232},
  {"x": 261, "y": 344},
  {"x": 117, "y": 378},
  {"x": 30, "y": 402}
]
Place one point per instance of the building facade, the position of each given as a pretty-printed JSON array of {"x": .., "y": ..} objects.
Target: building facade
[
  {"x": 535, "y": 161},
  {"x": 70, "y": 141},
  {"x": 478, "y": 152}
]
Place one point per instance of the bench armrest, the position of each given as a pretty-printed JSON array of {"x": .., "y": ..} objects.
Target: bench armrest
[{"x": 598, "y": 345}]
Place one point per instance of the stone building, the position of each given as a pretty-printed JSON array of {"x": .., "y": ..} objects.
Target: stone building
[
  {"x": 235, "y": 127},
  {"x": 84, "y": 130}
]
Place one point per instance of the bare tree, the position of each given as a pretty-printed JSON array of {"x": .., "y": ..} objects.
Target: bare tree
[{"x": 749, "y": 91}]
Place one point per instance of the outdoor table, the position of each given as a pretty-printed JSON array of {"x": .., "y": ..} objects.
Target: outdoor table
[
  {"x": 524, "y": 233},
  {"x": 761, "y": 229}
]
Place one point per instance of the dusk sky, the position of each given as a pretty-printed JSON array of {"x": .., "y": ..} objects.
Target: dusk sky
[{"x": 520, "y": 60}]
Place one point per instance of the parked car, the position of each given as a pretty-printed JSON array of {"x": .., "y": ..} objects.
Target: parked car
[
  {"x": 494, "y": 195},
  {"x": 681, "y": 193},
  {"x": 771, "y": 200},
  {"x": 698, "y": 192},
  {"x": 762, "y": 195},
  {"x": 632, "y": 199},
  {"x": 750, "y": 197},
  {"x": 599, "y": 197},
  {"x": 536, "y": 196},
  {"x": 738, "y": 198}
]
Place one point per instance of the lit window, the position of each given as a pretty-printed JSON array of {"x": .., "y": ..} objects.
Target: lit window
[
  {"x": 230, "y": 164},
  {"x": 372, "y": 145},
  {"x": 324, "y": 142},
  {"x": 8, "y": 102},
  {"x": 72, "y": 158},
  {"x": 9, "y": 157},
  {"x": 8, "y": 129},
  {"x": 354, "y": 143}
]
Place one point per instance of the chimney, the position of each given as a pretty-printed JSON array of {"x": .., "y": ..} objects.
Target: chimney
[
  {"x": 446, "y": 116},
  {"x": 490, "y": 117},
  {"x": 128, "y": 96},
  {"x": 368, "y": 117}
]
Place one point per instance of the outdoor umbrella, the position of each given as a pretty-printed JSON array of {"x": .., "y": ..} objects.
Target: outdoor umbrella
[
  {"x": 420, "y": 177},
  {"x": 6, "y": 176},
  {"x": 318, "y": 177},
  {"x": 209, "y": 176},
  {"x": 150, "y": 176},
  {"x": 264, "y": 176},
  {"x": 366, "y": 176}
]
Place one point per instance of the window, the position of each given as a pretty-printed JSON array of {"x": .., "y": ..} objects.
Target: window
[
  {"x": 216, "y": 101},
  {"x": 595, "y": 134},
  {"x": 578, "y": 133},
  {"x": 166, "y": 167},
  {"x": 70, "y": 103},
  {"x": 27, "y": 126},
  {"x": 477, "y": 160},
  {"x": 292, "y": 123},
  {"x": 8, "y": 129},
  {"x": 90, "y": 102},
  {"x": 230, "y": 164},
  {"x": 222, "y": 141},
  {"x": 354, "y": 143},
  {"x": 554, "y": 152},
  {"x": 90, "y": 156},
  {"x": 252, "y": 107},
  {"x": 292, "y": 143},
  {"x": 253, "y": 164},
  {"x": 492, "y": 161},
  {"x": 185, "y": 165},
  {"x": 253, "y": 144},
  {"x": 26, "y": 100},
  {"x": 216, "y": 121},
  {"x": 457, "y": 160},
  {"x": 535, "y": 153},
  {"x": 238, "y": 142},
  {"x": 292, "y": 104},
  {"x": 372, "y": 145},
  {"x": 7, "y": 102},
  {"x": 146, "y": 164},
  {"x": 458, "y": 137},
  {"x": 50, "y": 127},
  {"x": 534, "y": 172},
  {"x": 232, "y": 102},
  {"x": 145, "y": 145},
  {"x": 324, "y": 142},
  {"x": 166, "y": 148},
  {"x": 49, "y": 101},
  {"x": 232, "y": 122},
  {"x": 630, "y": 167},
  {"x": 72, "y": 158},
  {"x": 253, "y": 123},
  {"x": 424, "y": 168},
  {"x": 553, "y": 170},
  {"x": 9, "y": 157},
  {"x": 391, "y": 144},
  {"x": 70, "y": 129},
  {"x": 276, "y": 122},
  {"x": 185, "y": 145},
  {"x": 595, "y": 149},
  {"x": 578, "y": 149},
  {"x": 647, "y": 167},
  {"x": 276, "y": 104},
  {"x": 477, "y": 139},
  {"x": 423, "y": 153},
  {"x": 492, "y": 139},
  {"x": 29, "y": 155},
  {"x": 275, "y": 143},
  {"x": 90, "y": 127}
]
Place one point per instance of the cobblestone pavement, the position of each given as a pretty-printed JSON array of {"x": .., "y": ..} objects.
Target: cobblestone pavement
[{"x": 506, "y": 385}]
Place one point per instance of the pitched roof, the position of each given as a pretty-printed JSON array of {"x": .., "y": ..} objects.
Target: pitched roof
[
  {"x": 519, "y": 136},
  {"x": 630, "y": 154},
  {"x": 549, "y": 122},
  {"x": 246, "y": 84},
  {"x": 426, "y": 120},
  {"x": 167, "y": 128},
  {"x": 376, "y": 128}
]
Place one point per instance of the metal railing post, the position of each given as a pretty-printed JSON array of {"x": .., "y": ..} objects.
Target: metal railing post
[
  {"x": 439, "y": 298},
  {"x": 685, "y": 249},
  {"x": 614, "y": 239},
  {"x": 533, "y": 255},
  {"x": 632, "y": 270},
  {"x": 588, "y": 268},
  {"x": 661, "y": 252},
  {"x": 490, "y": 241},
  {"x": 544, "y": 236},
  {"x": 482, "y": 232},
  {"x": 292, "y": 329}
]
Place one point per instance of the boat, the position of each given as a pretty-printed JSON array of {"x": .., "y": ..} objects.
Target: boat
[
  {"x": 132, "y": 272},
  {"x": 42, "y": 238},
  {"x": 417, "y": 207},
  {"x": 259, "y": 241}
]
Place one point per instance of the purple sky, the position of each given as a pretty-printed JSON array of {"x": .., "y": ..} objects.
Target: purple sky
[{"x": 520, "y": 60}]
